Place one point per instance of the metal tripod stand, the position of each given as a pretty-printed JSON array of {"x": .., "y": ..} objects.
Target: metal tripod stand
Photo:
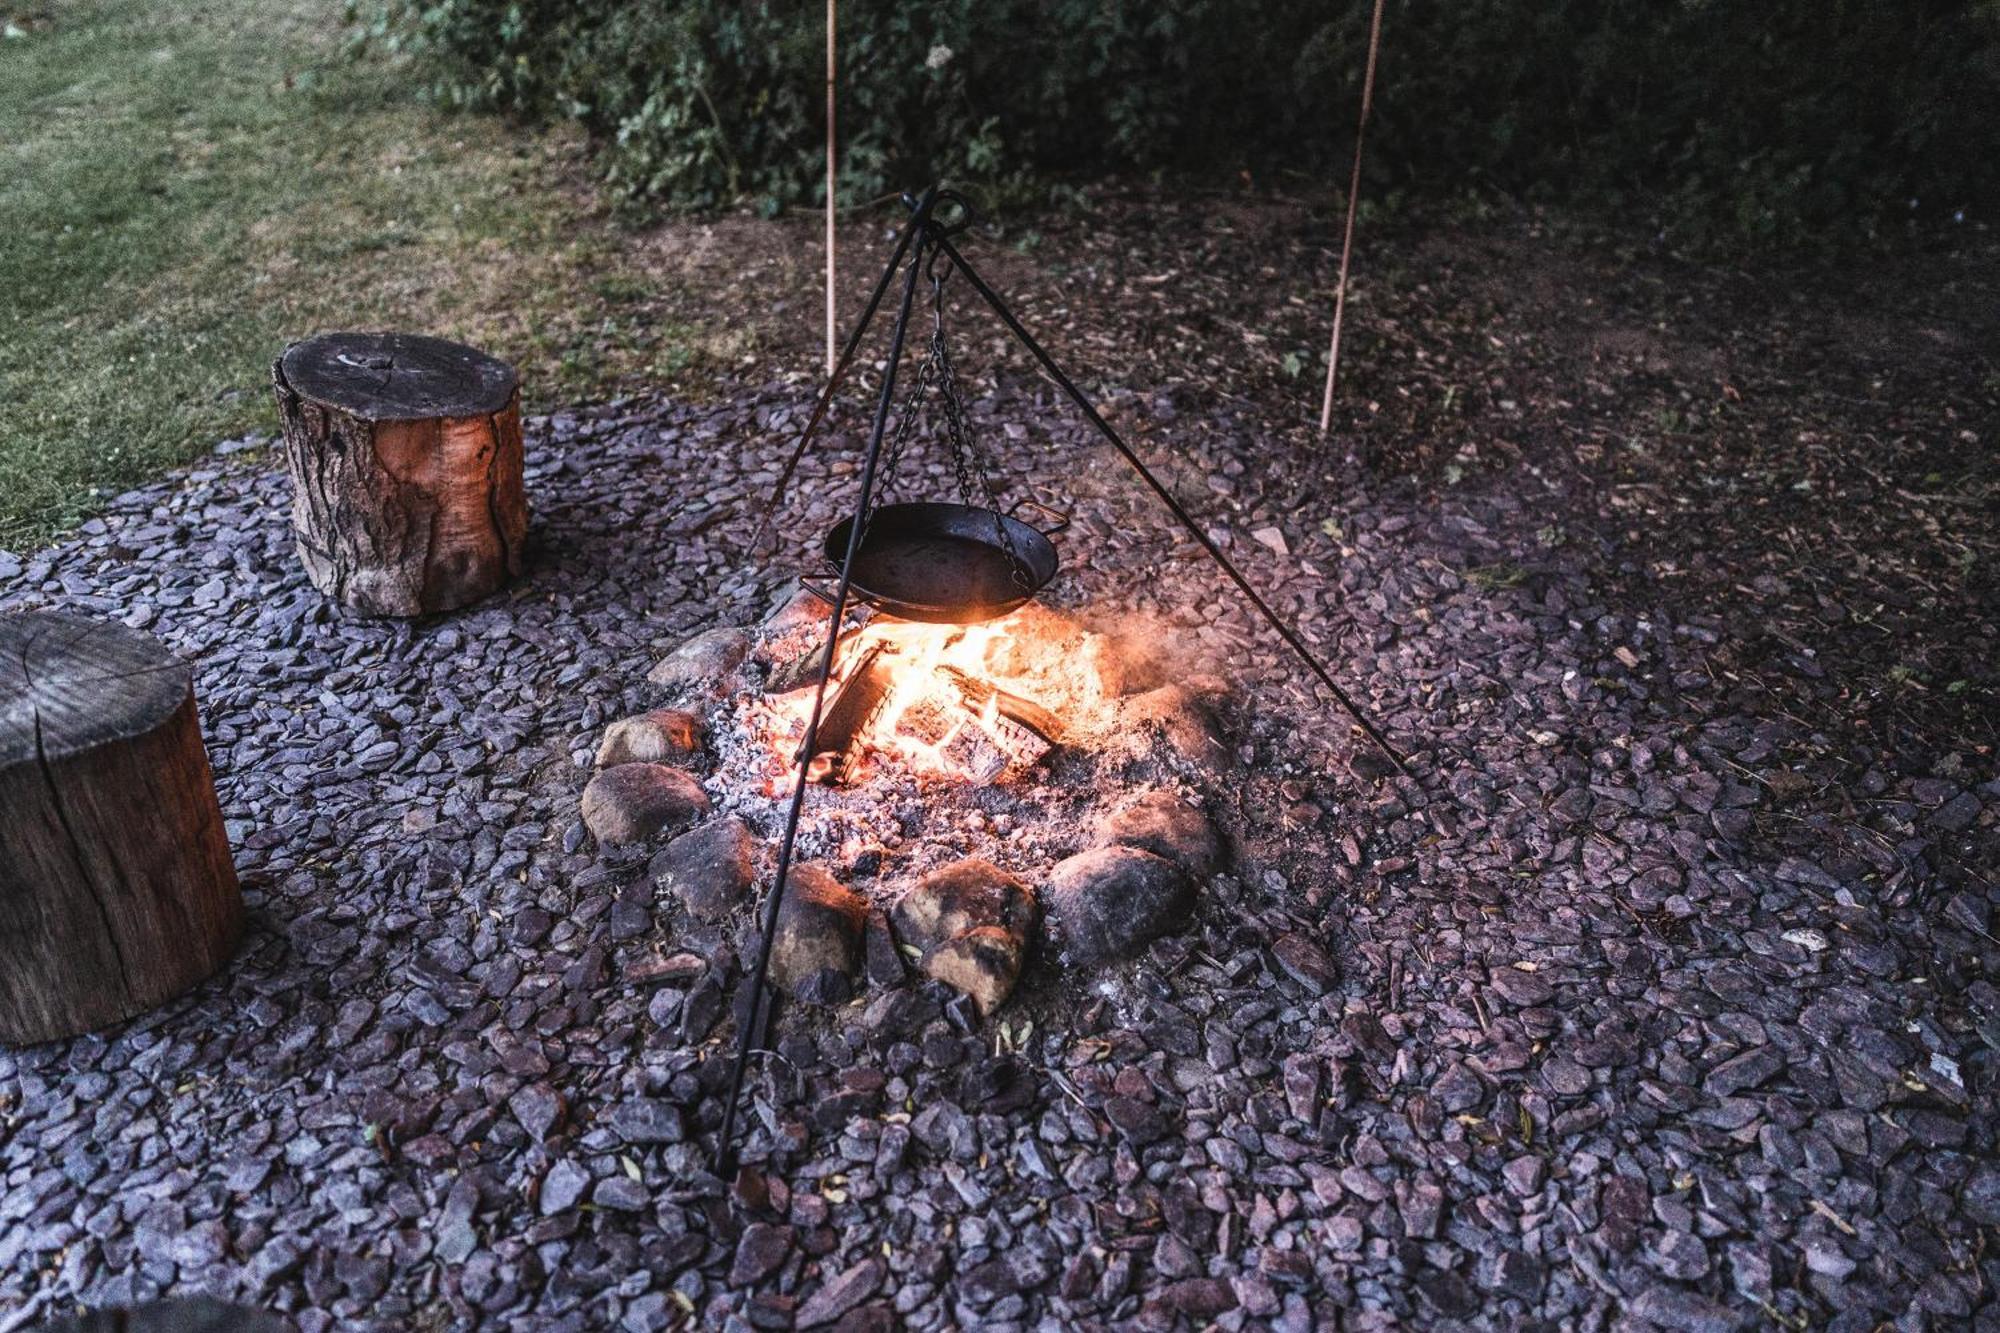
[{"x": 926, "y": 238}]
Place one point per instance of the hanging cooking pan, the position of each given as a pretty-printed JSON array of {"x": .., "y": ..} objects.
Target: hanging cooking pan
[{"x": 947, "y": 564}]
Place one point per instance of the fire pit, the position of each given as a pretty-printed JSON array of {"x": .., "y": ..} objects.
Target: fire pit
[{"x": 970, "y": 775}]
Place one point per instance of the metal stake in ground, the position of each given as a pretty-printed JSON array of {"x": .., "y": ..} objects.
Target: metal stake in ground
[
  {"x": 833, "y": 381},
  {"x": 1347, "y": 238},
  {"x": 752, "y": 1021},
  {"x": 1186, "y": 520}
]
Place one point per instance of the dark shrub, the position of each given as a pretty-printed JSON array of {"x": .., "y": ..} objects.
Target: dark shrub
[{"x": 1776, "y": 123}]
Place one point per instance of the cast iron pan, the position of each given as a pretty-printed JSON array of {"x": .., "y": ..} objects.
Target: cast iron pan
[{"x": 944, "y": 563}]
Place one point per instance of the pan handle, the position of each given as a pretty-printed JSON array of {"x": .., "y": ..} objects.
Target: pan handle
[
  {"x": 1057, "y": 519},
  {"x": 818, "y": 587}
]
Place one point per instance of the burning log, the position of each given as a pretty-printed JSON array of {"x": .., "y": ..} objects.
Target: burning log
[
  {"x": 979, "y": 695},
  {"x": 844, "y": 726},
  {"x": 894, "y": 694}
]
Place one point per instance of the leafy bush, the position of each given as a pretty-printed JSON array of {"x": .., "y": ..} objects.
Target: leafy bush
[{"x": 1777, "y": 123}]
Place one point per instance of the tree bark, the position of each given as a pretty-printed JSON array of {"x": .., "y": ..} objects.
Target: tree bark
[
  {"x": 117, "y": 890},
  {"x": 405, "y": 455}
]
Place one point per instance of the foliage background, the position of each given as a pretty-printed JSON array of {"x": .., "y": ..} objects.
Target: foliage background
[{"x": 1780, "y": 123}]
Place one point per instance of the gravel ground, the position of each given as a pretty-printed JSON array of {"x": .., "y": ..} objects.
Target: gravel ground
[{"x": 1663, "y": 996}]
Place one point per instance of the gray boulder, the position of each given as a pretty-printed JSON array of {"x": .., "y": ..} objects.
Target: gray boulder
[
  {"x": 972, "y": 920},
  {"x": 704, "y": 662},
  {"x": 634, "y": 802},
  {"x": 819, "y": 929},
  {"x": 663, "y": 736}
]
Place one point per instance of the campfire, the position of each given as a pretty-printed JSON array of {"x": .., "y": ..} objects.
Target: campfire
[{"x": 978, "y": 703}]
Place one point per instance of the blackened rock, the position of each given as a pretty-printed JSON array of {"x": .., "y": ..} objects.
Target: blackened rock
[
  {"x": 663, "y": 736},
  {"x": 828, "y": 986},
  {"x": 972, "y": 920},
  {"x": 1957, "y": 814},
  {"x": 819, "y": 926},
  {"x": 1448, "y": 1293},
  {"x": 1178, "y": 714},
  {"x": 1109, "y": 902},
  {"x": 998, "y": 1086},
  {"x": 702, "y": 1010},
  {"x": 884, "y": 960},
  {"x": 1512, "y": 1273},
  {"x": 796, "y": 670},
  {"x": 1369, "y": 762},
  {"x": 1163, "y": 824},
  {"x": 634, "y": 802},
  {"x": 710, "y": 868}
]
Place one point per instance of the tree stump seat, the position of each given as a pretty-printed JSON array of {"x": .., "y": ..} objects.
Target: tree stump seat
[
  {"x": 117, "y": 890},
  {"x": 405, "y": 458}
]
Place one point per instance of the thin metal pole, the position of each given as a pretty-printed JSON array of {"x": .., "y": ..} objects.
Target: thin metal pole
[
  {"x": 752, "y": 1022},
  {"x": 830, "y": 141},
  {"x": 839, "y": 374},
  {"x": 1353, "y": 198},
  {"x": 1167, "y": 498}
]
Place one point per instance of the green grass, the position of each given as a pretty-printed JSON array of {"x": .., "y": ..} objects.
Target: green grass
[{"x": 187, "y": 186}]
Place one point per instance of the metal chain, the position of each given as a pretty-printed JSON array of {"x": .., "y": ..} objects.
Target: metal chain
[
  {"x": 906, "y": 420},
  {"x": 959, "y": 436},
  {"x": 975, "y": 484}
]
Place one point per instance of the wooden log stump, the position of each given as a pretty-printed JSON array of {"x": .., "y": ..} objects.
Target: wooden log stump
[
  {"x": 117, "y": 891},
  {"x": 405, "y": 455}
]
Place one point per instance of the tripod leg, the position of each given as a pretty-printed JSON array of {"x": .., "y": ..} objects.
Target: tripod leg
[
  {"x": 751, "y": 1034},
  {"x": 1186, "y": 520},
  {"x": 918, "y": 219}
]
